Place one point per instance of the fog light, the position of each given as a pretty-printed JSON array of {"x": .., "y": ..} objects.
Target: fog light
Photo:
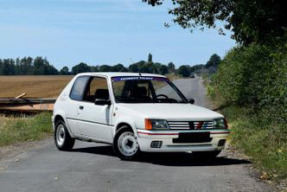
[
  {"x": 221, "y": 143},
  {"x": 156, "y": 144}
]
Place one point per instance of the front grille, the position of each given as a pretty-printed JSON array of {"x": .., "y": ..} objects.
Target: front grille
[
  {"x": 187, "y": 125},
  {"x": 178, "y": 125}
]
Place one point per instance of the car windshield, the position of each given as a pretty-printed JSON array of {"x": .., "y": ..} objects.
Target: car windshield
[{"x": 143, "y": 89}]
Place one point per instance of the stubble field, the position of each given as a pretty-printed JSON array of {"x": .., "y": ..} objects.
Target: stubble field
[{"x": 33, "y": 86}]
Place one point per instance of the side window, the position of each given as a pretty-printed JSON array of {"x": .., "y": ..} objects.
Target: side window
[
  {"x": 97, "y": 88},
  {"x": 78, "y": 88}
]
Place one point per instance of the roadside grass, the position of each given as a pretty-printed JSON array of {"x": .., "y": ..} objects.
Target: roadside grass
[
  {"x": 19, "y": 129},
  {"x": 264, "y": 142},
  {"x": 257, "y": 135}
]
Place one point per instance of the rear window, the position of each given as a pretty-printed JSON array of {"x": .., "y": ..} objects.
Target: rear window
[{"x": 78, "y": 89}]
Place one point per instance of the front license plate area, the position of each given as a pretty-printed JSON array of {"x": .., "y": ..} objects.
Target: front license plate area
[{"x": 193, "y": 138}]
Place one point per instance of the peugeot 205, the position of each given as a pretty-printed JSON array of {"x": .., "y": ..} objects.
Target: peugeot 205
[{"x": 135, "y": 113}]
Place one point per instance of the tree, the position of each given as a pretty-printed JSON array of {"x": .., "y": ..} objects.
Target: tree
[
  {"x": 184, "y": 70},
  {"x": 64, "y": 71},
  {"x": 1, "y": 67},
  {"x": 95, "y": 68},
  {"x": 49, "y": 69},
  {"x": 213, "y": 61},
  {"x": 29, "y": 63},
  {"x": 119, "y": 68},
  {"x": 197, "y": 68},
  {"x": 149, "y": 59},
  {"x": 39, "y": 66},
  {"x": 134, "y": 68},
  {"x": 105, "y": 68},
  {"x": 139, "y": 67},
  {"x": 17, "y": 67},
  {"x": 149, "y": 68},
  {"x": 171, "y": 67},
  {"x": 163, "y": 70},
  {"x": 7, "y": 67},
  {"x": 80, "y": 68},
  {"x": 249, "y": 20}
]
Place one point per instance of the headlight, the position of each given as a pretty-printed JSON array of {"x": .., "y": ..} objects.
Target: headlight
[
  {"x": 220, "y": 124},
  {"x": 156, "y": 124}
]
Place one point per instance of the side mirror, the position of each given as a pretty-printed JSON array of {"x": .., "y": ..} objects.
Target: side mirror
[
  {"x": 102, "y": 102},
  {"x": 191, "y": 101}
]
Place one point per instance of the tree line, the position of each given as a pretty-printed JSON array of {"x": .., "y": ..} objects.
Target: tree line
[
  {"x": 41, "y": 66},
  {"x": 27, "y": 66}
]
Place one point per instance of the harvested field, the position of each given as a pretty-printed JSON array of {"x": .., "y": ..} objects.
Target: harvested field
[{"x": 33, "y": 86}]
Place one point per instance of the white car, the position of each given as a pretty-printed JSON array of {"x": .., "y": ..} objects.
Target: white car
[{"x": 135, "y": 112}]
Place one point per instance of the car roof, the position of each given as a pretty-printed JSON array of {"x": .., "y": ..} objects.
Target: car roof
[{"x": 120, "y": 74}]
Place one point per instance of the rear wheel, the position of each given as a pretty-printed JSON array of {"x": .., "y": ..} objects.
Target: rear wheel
[
  {"x": 62, "y": 137},
  {"x": 125, "y": 144}
]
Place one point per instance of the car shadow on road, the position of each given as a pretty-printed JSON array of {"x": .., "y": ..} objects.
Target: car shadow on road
[
  {"x": 166, "y": 159},
  {"x": 186, "y": 159}
]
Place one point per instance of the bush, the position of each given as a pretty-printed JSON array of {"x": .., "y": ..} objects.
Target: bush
[
  {"x": 251, "y": 87},
  {"x": 184, "y": 70},
  {"x": 254, "y": 76}
]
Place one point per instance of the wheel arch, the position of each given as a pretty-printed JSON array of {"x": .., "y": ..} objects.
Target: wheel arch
[
  {"x": 61, "y": 116},
  {"x": 58, "y": 118},
  {"x": 129, "y": 123},
  {"x": 123, "y": 124}
]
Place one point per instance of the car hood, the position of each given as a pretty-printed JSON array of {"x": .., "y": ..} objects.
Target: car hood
[{"x": 172, "y": 111}]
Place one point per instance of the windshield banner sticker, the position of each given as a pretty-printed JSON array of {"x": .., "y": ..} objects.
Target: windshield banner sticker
[{"x": 132, "y": 78}]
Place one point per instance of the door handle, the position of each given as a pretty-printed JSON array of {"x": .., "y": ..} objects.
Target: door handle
[{"x": 81, "y": 107}]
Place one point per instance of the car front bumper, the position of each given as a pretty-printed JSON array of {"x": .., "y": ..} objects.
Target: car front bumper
[{"x": 163, "y": 141}]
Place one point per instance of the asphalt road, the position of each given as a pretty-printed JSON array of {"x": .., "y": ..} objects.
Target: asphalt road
[
  {"x": 93, "y": 167},
  {"x": 193, "y": 88}
]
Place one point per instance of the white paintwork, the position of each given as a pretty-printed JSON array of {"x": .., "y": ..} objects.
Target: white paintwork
[
  {"x": 92, "y": 113},
  {"x": 99, "y": 123}
]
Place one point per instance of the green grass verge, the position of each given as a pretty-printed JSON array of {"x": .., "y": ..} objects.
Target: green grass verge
[
  {"x": 263, "y": 141},
  {"x": 16, "y": 129}
]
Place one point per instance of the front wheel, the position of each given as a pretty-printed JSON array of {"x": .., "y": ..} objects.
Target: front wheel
[
  {"x": 125, "y": 144},
  {"x": 62, "y": 137}
]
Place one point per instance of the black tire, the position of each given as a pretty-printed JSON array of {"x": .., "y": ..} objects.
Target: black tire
[
  {"x": 62, "y": 137},
  {"x": 206, "y": 155},
  {"x": 125, "y": 144}
]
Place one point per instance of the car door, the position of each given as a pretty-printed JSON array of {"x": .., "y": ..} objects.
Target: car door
[
  {"x": 95, "y": 120},
  {"x": 72, "y": 109}
]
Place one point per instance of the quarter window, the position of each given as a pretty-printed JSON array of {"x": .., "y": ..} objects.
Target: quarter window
[{"x": 78, "y": 88}]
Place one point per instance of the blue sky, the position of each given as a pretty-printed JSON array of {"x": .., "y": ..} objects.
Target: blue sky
[{"x": 101, "y": 32}]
